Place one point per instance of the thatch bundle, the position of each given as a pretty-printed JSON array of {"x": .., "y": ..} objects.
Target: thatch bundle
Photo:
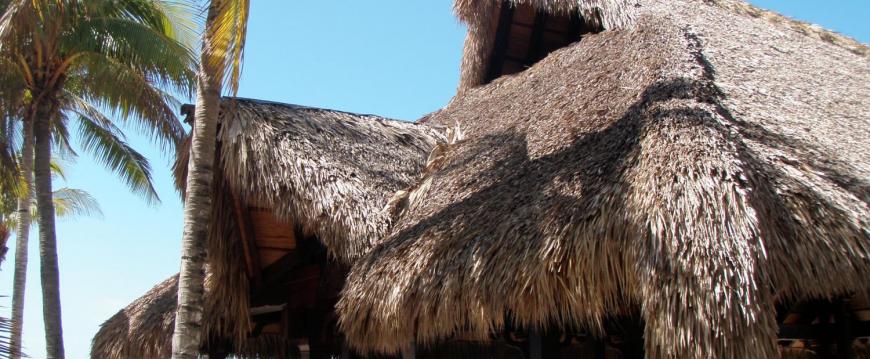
[
  {"x": 328, "y": 171},
  {"x": 699, "y": 167}
]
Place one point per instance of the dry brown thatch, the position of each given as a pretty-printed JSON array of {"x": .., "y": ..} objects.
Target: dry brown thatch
[
  {"x": 480, "y": 17},
  {"x": 144, "y": 330},
  {"x": 699, "y": 166},
  {"x": 331, "y": 172},
  {"x": 141, "y": 330}
]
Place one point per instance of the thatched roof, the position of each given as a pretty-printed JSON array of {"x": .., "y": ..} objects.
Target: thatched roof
[
  {"x": 699, "y": 167},
  {"x": 329, "y": 171},
  {"x": 143, "y": 329},
  {"x": 480, "y": 17}
]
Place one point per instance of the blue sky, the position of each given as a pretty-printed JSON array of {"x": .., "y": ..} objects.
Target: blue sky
[{"x": 394, "y": 58}]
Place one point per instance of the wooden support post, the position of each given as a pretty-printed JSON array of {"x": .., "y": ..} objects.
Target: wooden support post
[{"x": 536, "y": 348}]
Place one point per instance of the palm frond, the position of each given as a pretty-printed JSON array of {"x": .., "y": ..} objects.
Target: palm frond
[
  {"x": 5, "y": 332},
  {"x": 107, "y": 144},
  {"x": 15, "y": 16},
  {"x": 9, "y": 170},
  {"x": 57, "y": 170},
  {"x": 72, "y": 202},
  {"x": 226, "y": 39},
  {"x": 60, "y": 137},
  {"x": 131, "y": 96},
  {"x": 158, "y": 56}
]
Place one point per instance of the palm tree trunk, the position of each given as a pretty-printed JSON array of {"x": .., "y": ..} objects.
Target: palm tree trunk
[
  {"x": 186, "y": 340},
  {"x": 49, "y": 273},
  {"x": 22, "y": 233}
]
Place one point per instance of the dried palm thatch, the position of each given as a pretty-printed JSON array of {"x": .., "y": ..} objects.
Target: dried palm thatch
[
  {"x": 699, "y": 166},
  {"x": 141, "y": 330},
  {"x": 331, "y": 172},
  {"x": 479, "y": 16},
  {"x": 144, "y": 330}
]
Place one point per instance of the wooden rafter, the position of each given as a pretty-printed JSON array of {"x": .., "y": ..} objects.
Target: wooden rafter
[
  {"x": 249, "y": 244},
  {"x": 502, "y": 37},
  {"x": 536, "y": 44}
]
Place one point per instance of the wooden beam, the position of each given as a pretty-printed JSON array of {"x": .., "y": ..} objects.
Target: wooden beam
[
  {"x": 249, "y": 245},
  {"x": 502, "y": 36},
  {"x": 536, "y": 41}
]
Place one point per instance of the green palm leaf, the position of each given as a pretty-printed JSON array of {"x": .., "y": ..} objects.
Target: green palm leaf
[
  {"x": 226, "y": 39},
  {"x": 107, "y": 144},
  {"x": 71, "y": 202}
]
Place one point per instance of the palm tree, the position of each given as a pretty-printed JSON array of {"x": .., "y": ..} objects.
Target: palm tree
[
  {"x": 75, "y": 56},
  {"x": 220, "y": 62},
  {"x": 68, "y": 202}
]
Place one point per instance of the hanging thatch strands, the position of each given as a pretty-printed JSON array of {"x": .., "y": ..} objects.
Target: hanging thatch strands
[
  {"x": 698, "y": 167},
  {"x": 330, "y": 171}
]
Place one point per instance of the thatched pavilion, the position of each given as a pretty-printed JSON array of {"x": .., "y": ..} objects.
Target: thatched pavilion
[
  {"x": 672, "y": 185},
  {"x": 300, "y": 194},
  {"x": 689, "y": 179}
]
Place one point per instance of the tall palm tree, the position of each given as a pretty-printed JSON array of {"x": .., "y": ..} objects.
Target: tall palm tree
[
  {"x": 220, "y": 63},
  {"x": 68, "y": 202},
  {"x": 75, "y": 56}
]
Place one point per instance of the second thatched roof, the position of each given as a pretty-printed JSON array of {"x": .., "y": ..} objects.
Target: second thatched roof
[
  {"x": 698, "y": 167},
  {"x": 144, "y": 329},
  {"x": 331, "y": 172}
]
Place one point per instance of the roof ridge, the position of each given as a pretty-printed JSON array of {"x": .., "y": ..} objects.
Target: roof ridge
[
  {"x": 815, "y": 31},
  {"x": 310, "y": 108}
]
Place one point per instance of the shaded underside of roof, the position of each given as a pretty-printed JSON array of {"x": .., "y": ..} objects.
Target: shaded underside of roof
[{"x": 700, "y": 166}]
